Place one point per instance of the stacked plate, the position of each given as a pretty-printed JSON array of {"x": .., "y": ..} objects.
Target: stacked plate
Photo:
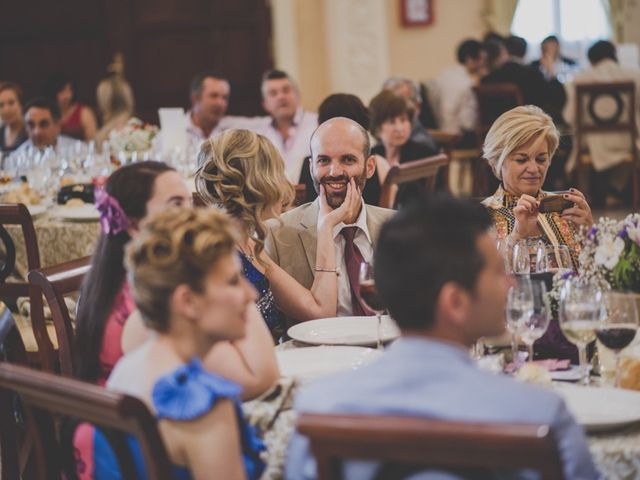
[{"x": 354, "y": 331}]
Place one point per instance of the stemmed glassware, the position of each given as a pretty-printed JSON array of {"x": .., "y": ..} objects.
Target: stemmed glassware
[
  {"x": 534, "y": 326},
  {"x": 579, "y": 311},
  {"x": 519, "y": 308},
  {"x": 618, "y": 325},
  {"x": 369, "y": 295},
  {"x": 557, "y": 258}
]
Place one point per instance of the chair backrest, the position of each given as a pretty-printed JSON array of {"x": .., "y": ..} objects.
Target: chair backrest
[
  {"x": 18, "y": 214},
  {"x": 425, "y": 169},
  {"x": 418, "y": 444},
  {"x": 45, "y": 397},
  {"x": 56, "y": 282},
  {"x": 493, "y": 100}
]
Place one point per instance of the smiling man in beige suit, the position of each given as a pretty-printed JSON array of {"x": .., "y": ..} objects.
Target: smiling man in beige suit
[{"x": 339, "y": 152}]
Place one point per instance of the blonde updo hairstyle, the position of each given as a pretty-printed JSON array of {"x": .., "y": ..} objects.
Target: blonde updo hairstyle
[
  {"x": 242, "y": 172},
  {"x": 174, "y": 247},
  {"x": 515, "y": 128}
]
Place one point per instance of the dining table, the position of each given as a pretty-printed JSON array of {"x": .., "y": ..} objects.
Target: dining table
[{"x": 615, "y": 450}]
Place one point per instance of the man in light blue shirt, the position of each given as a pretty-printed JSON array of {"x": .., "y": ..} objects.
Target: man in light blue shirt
[{"x": 439, "y": 273}]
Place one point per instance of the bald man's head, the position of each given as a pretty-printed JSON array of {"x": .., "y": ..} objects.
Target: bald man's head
[{"x": 340, "y": 151}]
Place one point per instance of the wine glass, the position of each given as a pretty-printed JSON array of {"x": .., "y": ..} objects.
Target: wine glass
[
  {"x": 369, "y": 295},
  {"x": 534, "y": 326},
  {"x": 579, "y": 314},
  {"x": 558, "y": 259},
  {"x": 519, "y": 308},
  {"x": 521, "y": 260},
  {"x": 618, "y": 326}
]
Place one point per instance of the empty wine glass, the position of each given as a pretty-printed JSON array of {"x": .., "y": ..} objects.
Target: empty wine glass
[
  {"x": 521, "y": 260},
  {"x": 558, "y": 259},
  {"x": 618, "y": 325},
  {"x": 519, "y": 308},
  {"x": 579, "y": 314},
  {"x": 369, "y": 295},
  {"x": 534, "y": 326}
]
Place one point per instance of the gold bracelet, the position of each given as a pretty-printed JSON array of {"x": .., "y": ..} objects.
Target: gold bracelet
[{"x": 328, "y": 270}]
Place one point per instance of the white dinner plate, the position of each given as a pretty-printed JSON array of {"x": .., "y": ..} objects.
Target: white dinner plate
[
  {"x": 360, "y": 331},
  {"x": 601, "y": 408},
  {"x": 36, "y": 210},
  {"x": 82, "y": 213},
  {"x": 312, "y": 362}
]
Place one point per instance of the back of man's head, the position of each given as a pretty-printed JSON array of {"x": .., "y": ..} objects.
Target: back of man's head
[
  {"x": 423, "y": 247},
  {"x": 601, "y": 50},
  {"x": 516, "y": 46},
  {"x": 44, "y": 103},
  {"x": 469, "y": 49}
]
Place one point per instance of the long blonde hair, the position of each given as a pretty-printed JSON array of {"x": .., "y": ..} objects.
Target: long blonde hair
[
  {"x": 175, "y": 246},
  {"x": 243, "y": 172},
  {"x": 515, "y": 128}
]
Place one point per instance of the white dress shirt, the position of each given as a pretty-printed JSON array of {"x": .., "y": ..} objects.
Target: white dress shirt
[
  {"x": 456, "y": 105},
  {"x": 363, "y": 241}
]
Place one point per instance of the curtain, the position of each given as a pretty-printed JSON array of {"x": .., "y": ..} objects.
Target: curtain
[
  {"x": 615, "y": 10},
  {"x": 498, "y": 15}
]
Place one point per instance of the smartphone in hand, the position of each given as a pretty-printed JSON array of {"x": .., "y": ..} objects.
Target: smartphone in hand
[{"x": 554, "y": 203}]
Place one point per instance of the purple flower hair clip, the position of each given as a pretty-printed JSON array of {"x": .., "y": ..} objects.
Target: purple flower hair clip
[{"x": 113, "y": 220}]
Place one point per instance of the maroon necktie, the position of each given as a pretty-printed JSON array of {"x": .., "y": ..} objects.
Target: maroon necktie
[{"x": 353, "y": 259}]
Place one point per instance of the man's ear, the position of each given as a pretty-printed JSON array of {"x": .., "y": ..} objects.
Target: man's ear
[
  {"x": 453, "y": 304},
  {"x": 370, "y": 165}
]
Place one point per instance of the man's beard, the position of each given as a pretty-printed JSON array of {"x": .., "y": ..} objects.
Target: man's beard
[{"x": 335, "y": 199}]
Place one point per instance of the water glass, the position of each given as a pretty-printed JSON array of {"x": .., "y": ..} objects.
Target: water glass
[
  {"x": 534, "y": 326},
  {"x": 519, "y": 308},
  {"x": 558, "y": 259}
]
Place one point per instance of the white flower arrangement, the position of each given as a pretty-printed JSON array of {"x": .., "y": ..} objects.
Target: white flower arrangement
[{"x": 136, "y": 136}]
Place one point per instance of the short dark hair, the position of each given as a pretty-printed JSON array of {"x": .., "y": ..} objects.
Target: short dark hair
[
  {"x": 274, "y": 75},
  {"x": 600, "y": 50},
  {"x": 56, "y": 83},
  {"x": 550, "y": 38},
  {"x": 387, "y": 106},
  {"x": 344, "y": 105},
  {"x": 421, "y": 248},
  {"x": 14, "y": 87},
  {"x": 195, "y": 87},
  {"x": 516, "y": 46},
  {"x": 469, "y": 49},
  {"x": 44, "y": 103}
]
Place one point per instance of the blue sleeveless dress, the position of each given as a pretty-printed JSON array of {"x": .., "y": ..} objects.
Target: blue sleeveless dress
[
  {"x": 185, "y": 394},
  {"x": 266, "y": 303}
]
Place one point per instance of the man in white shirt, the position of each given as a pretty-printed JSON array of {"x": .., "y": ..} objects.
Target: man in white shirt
[
  {"x": 209, "y": 102},
  {"x": 456, "y": 106},
  {"x": 288, "y": 126},
  {"x": 339, "y": 151},
  {"x": 42, "y": 119}
]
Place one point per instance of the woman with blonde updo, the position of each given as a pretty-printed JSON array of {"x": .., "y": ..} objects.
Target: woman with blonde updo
[
  {"x": 188, "y": 284},
  {"x": 115, "y": 103},
  {"x": 519, "y": 148},
  {"x": 242, "y": 172}
]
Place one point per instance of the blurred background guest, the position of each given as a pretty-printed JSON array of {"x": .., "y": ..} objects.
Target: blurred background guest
[
  {"x": 391, "y": 117},
  {"x": 115, "y": 101},
  {"x": 12, "y": 132},
  {"x": 551, "y": 62},
  {"x": 76, "y": 120},
  {"x": 42, "y": 119}
]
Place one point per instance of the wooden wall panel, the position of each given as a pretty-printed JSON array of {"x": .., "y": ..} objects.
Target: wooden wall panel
[{"x": 164, "y": 42}]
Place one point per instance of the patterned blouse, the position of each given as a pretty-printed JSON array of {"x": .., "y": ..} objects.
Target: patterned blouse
[{"x": 555, "y": 230}]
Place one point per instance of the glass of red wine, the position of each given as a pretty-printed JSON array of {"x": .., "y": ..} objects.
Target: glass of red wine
[
  {"x": 369, "y": 295},
  {"x": 618, "y": 326}
]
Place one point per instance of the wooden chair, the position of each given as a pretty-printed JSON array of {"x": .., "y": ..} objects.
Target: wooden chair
[
  {"x": 18, "y": 214},
  {"x": 623, "y": 120},
  {"x": 425, "y": 169},
  {"x": 493, "y": 100},
  {"x": 55, "y": 282},
  {"x": 44, "y": 398},
  {"x": 414, "y": 444}
]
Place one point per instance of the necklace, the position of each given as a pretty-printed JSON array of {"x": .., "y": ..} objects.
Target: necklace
[{"x": 251, "y": 258}]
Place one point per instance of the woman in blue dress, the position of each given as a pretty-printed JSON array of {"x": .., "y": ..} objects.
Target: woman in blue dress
[
  {"x": 243, "y": 173},
  {"x": 189, "y": 286}
]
